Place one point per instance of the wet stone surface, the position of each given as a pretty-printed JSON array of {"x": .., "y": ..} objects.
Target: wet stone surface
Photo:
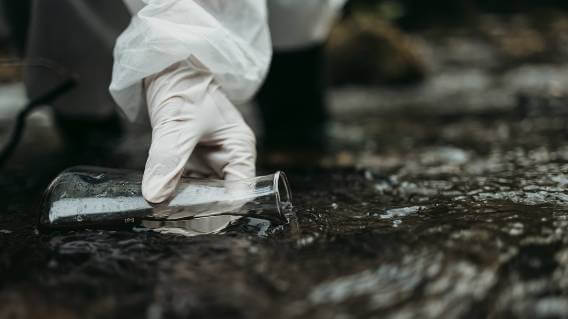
[{"x": 423, "y": 212}]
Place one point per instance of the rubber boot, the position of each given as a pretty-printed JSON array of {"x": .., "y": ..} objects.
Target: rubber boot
[
  {"x": 17, "y": 16},
  {"x": 292, "y": 101}
]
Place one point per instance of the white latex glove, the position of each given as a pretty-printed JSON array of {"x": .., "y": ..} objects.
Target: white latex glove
[{"x": 193, "y": 123}]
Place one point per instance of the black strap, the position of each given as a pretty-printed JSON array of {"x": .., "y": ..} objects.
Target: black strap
[{"x": 47, "y": 98}]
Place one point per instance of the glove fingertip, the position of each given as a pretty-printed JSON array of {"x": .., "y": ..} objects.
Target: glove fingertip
[{"x": 155, "y": 190}]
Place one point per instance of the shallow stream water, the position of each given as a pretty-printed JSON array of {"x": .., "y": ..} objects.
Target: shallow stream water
[{"x": 435, "y": 205}]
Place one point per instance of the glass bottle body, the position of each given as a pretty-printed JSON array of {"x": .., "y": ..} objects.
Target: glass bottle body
[{"x": 93, "y": 196}]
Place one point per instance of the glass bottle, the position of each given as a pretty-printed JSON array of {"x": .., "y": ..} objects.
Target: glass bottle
[{"x": 83, "y": 196}]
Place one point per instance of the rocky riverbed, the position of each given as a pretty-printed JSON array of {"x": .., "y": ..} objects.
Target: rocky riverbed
[{"x": 444, "y": 199}]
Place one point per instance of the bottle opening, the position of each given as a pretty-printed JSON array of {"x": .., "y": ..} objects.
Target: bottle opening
[{"x": 283, "y": 193}]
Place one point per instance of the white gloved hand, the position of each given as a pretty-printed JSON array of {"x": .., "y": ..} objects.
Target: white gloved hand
[{"x": 193, "y": 123}]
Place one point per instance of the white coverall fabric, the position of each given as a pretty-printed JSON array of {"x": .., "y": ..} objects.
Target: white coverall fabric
[
  {"x": 228, "y": 39},
  {"x": 76, "y": 36}
]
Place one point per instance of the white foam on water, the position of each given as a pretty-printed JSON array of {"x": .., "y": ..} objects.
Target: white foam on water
[{"x": 402, "y": 212}]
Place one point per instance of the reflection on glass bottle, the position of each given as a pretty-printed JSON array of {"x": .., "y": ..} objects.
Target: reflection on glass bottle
[{"x": 94, "y": 197}]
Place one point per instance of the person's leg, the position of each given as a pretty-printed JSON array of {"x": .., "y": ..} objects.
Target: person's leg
[
  {"x": 292, "y": 99},
  {"x": 76, "y": 38},
  {"x": 17, "y": 16}
]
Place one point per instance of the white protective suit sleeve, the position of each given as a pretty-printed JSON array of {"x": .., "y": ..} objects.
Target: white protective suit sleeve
[{"x": 228, "y": 39}]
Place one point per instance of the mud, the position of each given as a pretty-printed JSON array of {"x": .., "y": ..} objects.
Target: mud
[{"x": 448, "y": 199}]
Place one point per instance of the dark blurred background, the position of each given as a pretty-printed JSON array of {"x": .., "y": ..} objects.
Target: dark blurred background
[
  {"x": 442, "y": 193},
  {"x": 387, "y": 38},
  {"x": 377, "y": 34}
]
